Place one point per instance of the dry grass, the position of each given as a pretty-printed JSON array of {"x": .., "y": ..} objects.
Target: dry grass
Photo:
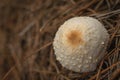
[{"x": 27, "y": 29}]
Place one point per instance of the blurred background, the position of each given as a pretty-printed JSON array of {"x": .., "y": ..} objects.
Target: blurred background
[{"x": 27, "y": 30}]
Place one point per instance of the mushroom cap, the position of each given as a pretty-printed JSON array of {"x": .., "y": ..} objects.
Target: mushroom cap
[{"x": 80, "y": 43}]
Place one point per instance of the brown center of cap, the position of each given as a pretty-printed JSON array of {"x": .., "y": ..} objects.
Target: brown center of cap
[{"x": 74, "y": 38}]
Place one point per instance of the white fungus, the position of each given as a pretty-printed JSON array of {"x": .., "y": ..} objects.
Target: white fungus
[{"x": 80, "y": 43}]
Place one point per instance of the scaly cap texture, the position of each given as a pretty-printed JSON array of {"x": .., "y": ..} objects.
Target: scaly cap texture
[{"x": 80, "y": 43}]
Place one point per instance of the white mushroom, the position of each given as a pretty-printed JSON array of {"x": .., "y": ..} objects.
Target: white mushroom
[{"x": 80, "y": 43}]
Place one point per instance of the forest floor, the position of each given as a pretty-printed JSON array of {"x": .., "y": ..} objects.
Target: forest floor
[{"x": 27, "y": 30}]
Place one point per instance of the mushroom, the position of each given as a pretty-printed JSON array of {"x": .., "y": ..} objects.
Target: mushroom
[{"x": 80, "y": 44}]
